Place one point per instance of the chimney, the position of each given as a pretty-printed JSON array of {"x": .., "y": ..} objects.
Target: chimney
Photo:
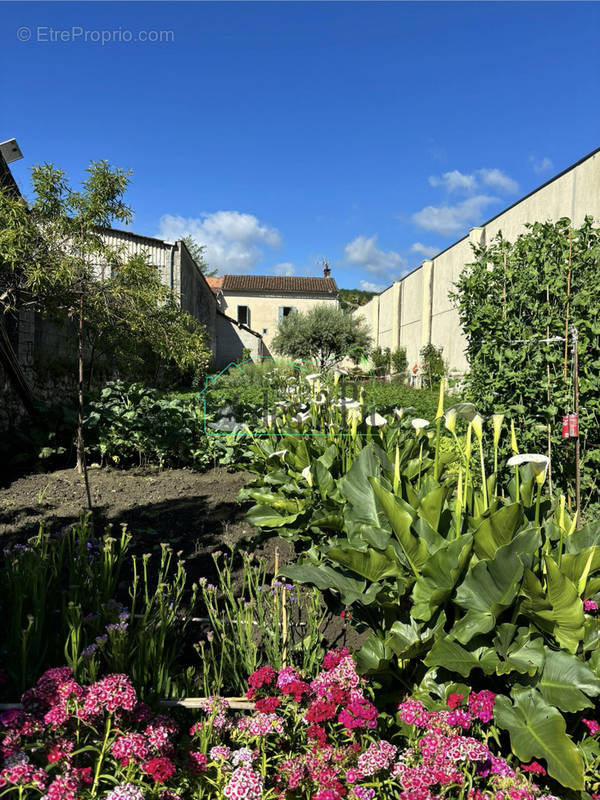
[{"x": 326, "y": 270}]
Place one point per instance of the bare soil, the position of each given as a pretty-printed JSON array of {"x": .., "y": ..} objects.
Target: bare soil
[{"x": 195, "y": 512}]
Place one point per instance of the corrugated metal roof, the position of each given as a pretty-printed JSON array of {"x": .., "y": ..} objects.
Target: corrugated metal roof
[{"x": 276, "y": 283}]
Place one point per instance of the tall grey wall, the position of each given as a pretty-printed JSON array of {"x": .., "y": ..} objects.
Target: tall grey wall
[{"x": 417, "y": 310}]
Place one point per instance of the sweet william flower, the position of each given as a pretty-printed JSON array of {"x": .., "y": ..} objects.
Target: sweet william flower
[{"x": 592, "y": 726}]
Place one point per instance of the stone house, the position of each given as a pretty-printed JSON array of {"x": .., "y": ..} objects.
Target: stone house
[{"x": 262, "y": 301}]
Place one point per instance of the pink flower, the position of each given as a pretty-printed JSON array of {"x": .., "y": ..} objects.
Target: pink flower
[
  {"x": 244, "y": 784},
  {"x": 590, "y": 605},
  {"x": 130, "y": 746},
  {"x": 533, "y": 767},
  {"x": 592, "y": 726},
  {"x": 481, "y": 705},
  {"x": 112, "y": 693},
  {"x": 160, "y": 769},
  {"x": 197, "y": 762},
  {"x": 263, "y": 676},
  {"x": 455, "y": 700}
]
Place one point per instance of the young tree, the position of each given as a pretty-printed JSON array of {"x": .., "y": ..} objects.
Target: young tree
[
  {"x": 382, "y": 360},
  {"x": 57, "y": 256},
  {"x": 432, "y": 364},
  {"x": 323, "y": 333},
  {"x": 399, "y": 360}
]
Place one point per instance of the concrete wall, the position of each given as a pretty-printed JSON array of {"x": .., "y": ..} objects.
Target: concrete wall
[
  {"x": 417, "y": 310},
  {"x": 196, "y": 296},
  {"x": 264, "y": 308},
  {"x": 231, "y": 341}
]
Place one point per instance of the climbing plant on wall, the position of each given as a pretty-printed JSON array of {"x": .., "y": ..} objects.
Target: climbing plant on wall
[{"x": 511, "y": 300}]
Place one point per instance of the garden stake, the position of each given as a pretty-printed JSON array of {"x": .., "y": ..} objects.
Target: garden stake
[
  {"x": 576, "y": 409},
  {"x": 567, "y": 311}
]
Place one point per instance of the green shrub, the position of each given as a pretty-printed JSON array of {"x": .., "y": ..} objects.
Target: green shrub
[
  {"x": 399, "y": 360},
  {"x": 132, "y": 424}
]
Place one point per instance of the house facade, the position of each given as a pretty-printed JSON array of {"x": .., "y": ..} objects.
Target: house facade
[{"x": 262, "y": 301}]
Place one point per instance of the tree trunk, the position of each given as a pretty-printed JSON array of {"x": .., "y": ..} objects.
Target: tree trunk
[{"x": 81, "y": 465}]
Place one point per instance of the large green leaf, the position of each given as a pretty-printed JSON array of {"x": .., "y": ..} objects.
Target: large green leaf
[
  {"x": 439, "y": 576},
  {"x": 351, "y": 590},
  {"x": 537, "y": 730},
  {"x": 400, "y": 519},
  {"x": 431, "y": 506},
  {"x": 322, "y": 479},
  {"x": 577, "y": 566},
  {"x": 455, "y": 658},
  {"x": 498, "y": 530},
  {"x": 262, "y": 516},
  {"x": 567, "y": 607},
  {"x": 491, "y": 586},
  {"x": 373, "y": 656},
  {"x": 567, "y": 682},
  {"x": 521, "y": 653},
  {"x": 355, "y": 486},
  {"x": 371, "y": 564}
]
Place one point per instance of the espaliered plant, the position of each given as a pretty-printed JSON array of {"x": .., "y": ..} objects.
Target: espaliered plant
[{"x": 517, "y": 302}]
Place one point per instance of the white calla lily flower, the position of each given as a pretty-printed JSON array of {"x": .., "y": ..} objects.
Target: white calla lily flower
[
  {"x": 539, "y": 464},
  {"x": 306, "y": 474},
  {"x": 375, "y": 420},
  {"x": 450, "y": 419},
  {"x": 279, "y": 453},
  {"x": 419, "y": 423},
  {"x": 477, "y": 423},
  {"x": 347, "y": 403},
  {"x": 301, "y": 417}
]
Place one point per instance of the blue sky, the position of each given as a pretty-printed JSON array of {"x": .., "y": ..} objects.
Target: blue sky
[{"x": 372, "y": 134}]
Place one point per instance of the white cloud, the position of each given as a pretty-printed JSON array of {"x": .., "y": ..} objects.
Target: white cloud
[
  {"x": 285, "y": 268},
  {"x": 363, "y": 252},
  {"x": 233, "y": 240},
  {"x": 496, "y": 179},
  {"x": 424, "y": 250},
  {"x": 469, "y": 183},
  {"x": 447, "y": 219},
  {"x": 541, "y": 165},
  {"x": 455, "y": 181},
  {"x": 367, "y": 286}
]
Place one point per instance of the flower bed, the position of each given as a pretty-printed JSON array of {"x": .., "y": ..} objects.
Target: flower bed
[{"x": 321, "y": 739}]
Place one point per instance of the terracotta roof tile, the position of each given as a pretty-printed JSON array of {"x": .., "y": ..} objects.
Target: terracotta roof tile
[
  {"x": 215, "y": 283},
  {"x": 276, "y": 283}
]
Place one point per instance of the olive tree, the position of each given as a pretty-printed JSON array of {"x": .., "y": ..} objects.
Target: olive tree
[{"x": 324, "y": 333}]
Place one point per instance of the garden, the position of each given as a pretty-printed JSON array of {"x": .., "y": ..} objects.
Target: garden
[
  {"x": 289, "y": 581},
  {"x": 401, "y": 612}
]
